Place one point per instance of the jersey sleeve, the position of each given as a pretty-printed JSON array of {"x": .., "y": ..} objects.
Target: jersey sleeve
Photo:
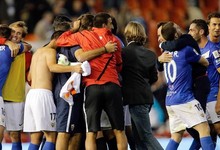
[
  {"x": 67, "y": 39},
  {"x": 175, "y": 45},
  {"x": 215, "y": 55},
  {"x": 170, "y": 45},
  {"x": 192, "y": 55},
  {"x": 21, "y": 48},
  {"x": 2, "y": 40},
  {"x": 180, "y": 43}
]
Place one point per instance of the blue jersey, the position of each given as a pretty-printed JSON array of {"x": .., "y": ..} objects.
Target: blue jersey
[
  {"x": 211, "y": 53},
  {"x": 5, "y": 63},
  {"x": 60, "y": 78},
  {"x": 178, "y": 74}
]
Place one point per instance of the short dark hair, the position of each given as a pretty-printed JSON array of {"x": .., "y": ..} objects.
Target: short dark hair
[
  {"x": 86, "y": 21},
  {"x": 62, "y": 23},
  {"x": 100, "y": 19},
  {"x": 56, "y": 34},
  {"x": 161, "y": 24},
  {"x": 5, "y": 31},
  {"x": 168, "y": 31},
  {"x": 213, "y": 15},
  {"x": 115, "y": 25},
  {"x": 201, "y": 24}
]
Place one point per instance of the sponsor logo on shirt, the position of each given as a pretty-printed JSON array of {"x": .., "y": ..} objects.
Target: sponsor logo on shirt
[{"x": 215, "y": 54}]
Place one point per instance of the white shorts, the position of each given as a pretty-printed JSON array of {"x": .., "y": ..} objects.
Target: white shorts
[
  {"x": 105, "y": 123},
  {"x": 212, "y": 116},
  {"x": 14, "y": 116},
  {"x": 2, "y": 112},
  {"x": 40, "y": 111},
  {"x": 185, "y": 116}
]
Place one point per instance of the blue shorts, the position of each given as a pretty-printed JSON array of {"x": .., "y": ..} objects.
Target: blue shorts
[{"x": 76, "y": 124}]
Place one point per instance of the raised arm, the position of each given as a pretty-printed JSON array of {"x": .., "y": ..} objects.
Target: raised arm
[
  {"x": 165, "y": 57},
  {"x": 183, "y": 41},
  {"x": 67, "y": 39},
  {"x": 204, "y": 61},
  {"x": 27, "y": 47},
  {"x": 171, "y": 45},
  {"x": 56, "y": 68},
  {"x": 16, "y": 48},
  {"x": 13, "y": 47},
  {"x": 81, "y": 55}
]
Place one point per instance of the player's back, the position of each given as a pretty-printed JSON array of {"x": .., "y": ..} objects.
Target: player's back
[
  {"x": 178, "y": 74},
  {"x": 41, "y": 77}
]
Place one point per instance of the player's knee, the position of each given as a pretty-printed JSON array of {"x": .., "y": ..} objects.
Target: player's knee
[
  {"x": 50, "y": 136},
  {"x": 203, "y": 129},
  {"x": 15, "y": 136}
]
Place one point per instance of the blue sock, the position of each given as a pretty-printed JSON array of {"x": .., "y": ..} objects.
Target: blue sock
[
  {"x": 195, "y": 145},
  {"x": 207, "y": 143},
  {"x": 172, "y": 145},
  {"x": 16, "y": 146},
  {"x": 33, "y": 147},
  {"x": 49, "y": 146},
  {"x": 0, "y": 146}
]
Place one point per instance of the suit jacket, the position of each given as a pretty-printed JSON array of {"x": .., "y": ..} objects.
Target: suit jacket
[{"x": 138, "y": 73}]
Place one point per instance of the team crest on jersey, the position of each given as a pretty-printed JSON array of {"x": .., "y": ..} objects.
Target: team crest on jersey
[
  {"x": 72, "y": 127},
  {"x": 2, "y": 48},
  {"x": 215, "y": 54}
]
